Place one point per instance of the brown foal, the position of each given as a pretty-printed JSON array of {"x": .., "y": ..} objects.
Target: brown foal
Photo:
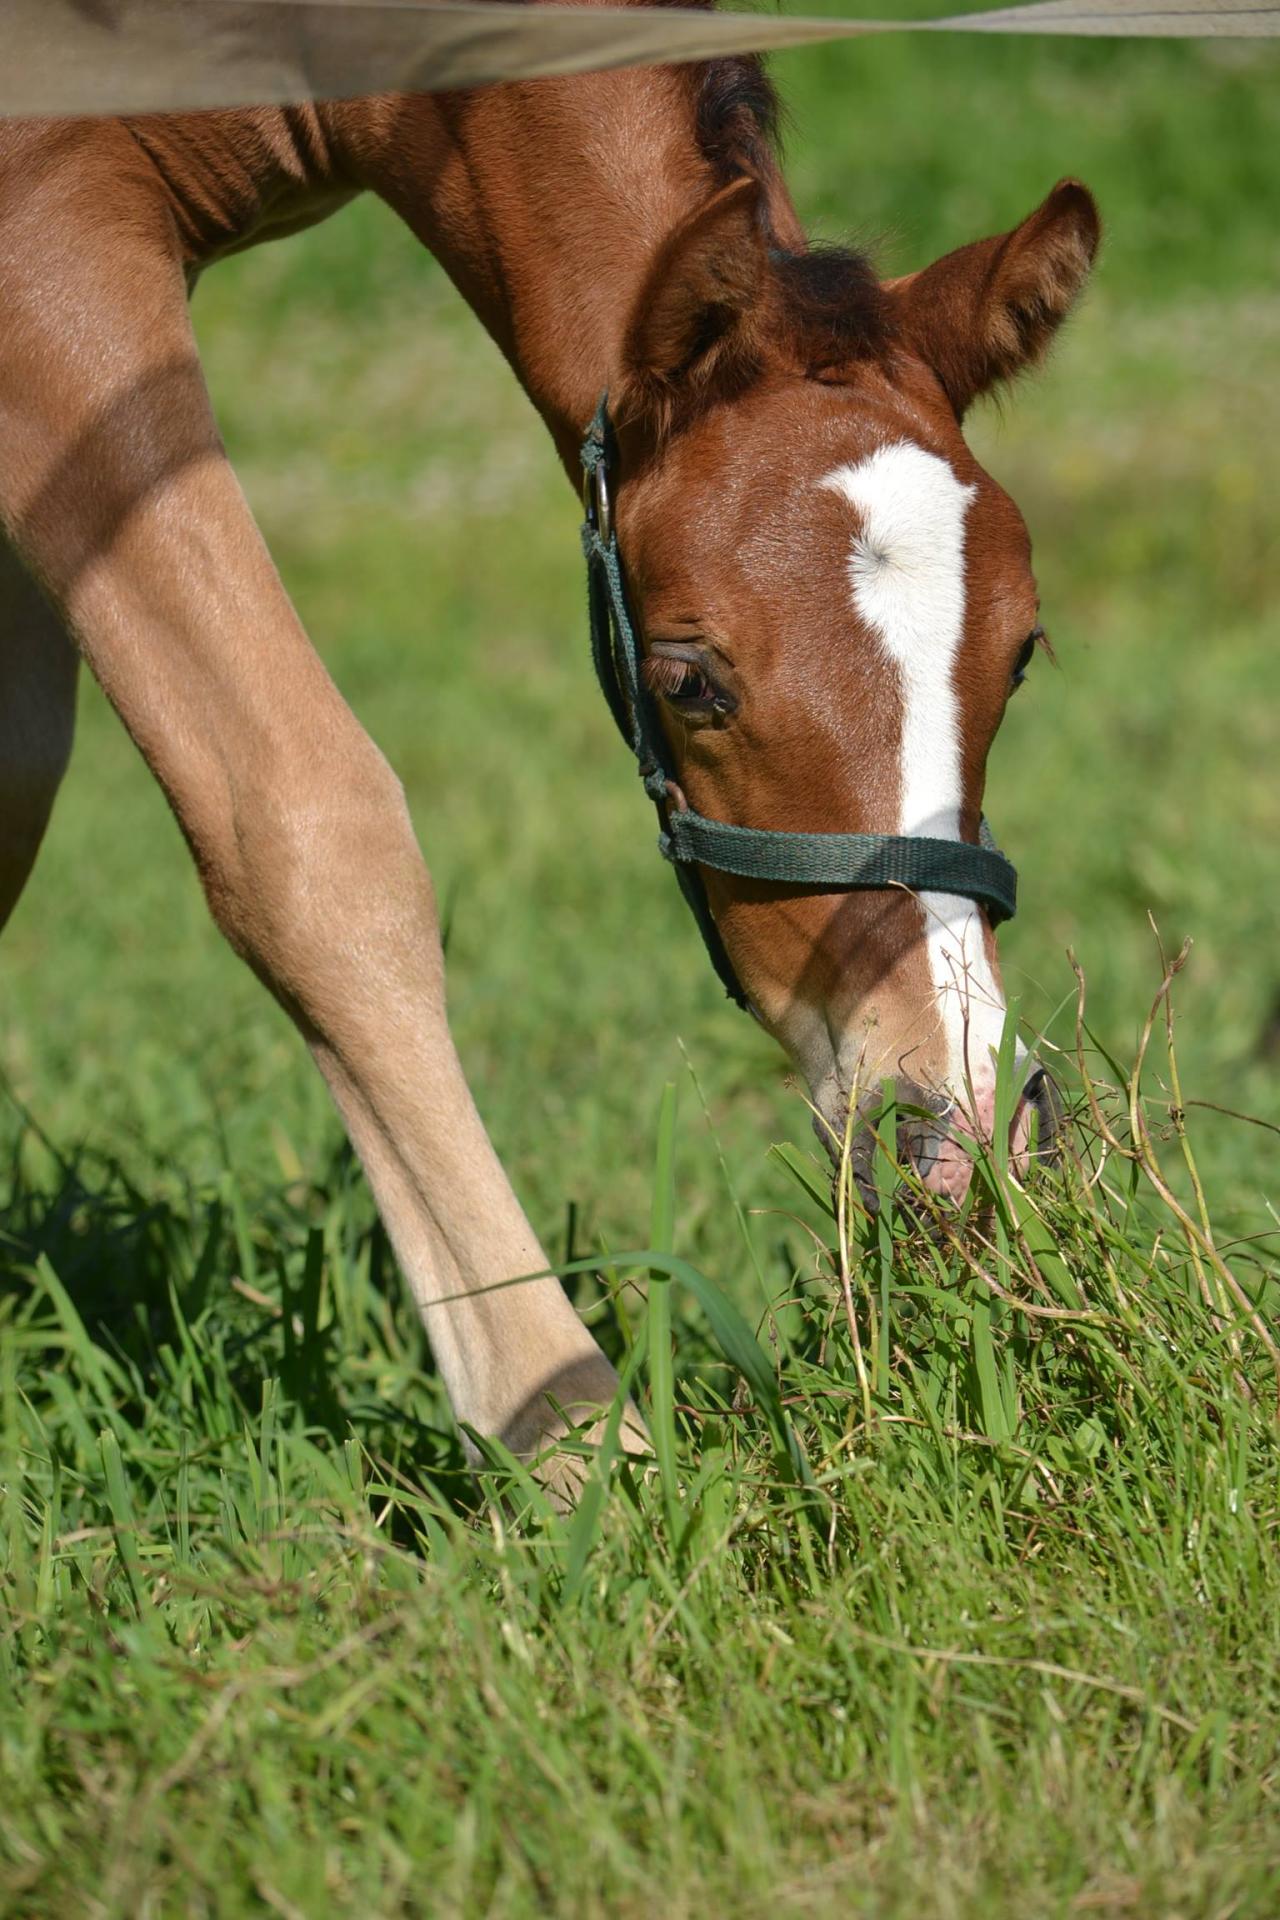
[{"x": 835, "y": 599}]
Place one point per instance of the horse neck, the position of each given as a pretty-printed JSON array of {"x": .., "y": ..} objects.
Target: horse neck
[{"x": 547, "y": 203}]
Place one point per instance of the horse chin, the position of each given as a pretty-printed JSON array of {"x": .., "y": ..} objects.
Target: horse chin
[{"x": 923, "y": 1137}]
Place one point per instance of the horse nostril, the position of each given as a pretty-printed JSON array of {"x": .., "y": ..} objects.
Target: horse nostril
[{"x": 1040, "y": 1093}]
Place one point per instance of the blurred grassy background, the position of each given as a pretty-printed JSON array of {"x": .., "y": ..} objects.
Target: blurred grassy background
[{"x": 429, "y": 539}]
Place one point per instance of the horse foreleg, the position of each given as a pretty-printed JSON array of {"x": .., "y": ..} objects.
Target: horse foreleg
[
  {"x": 37, "y": 719},
  {"x": 116, "y": 490}
]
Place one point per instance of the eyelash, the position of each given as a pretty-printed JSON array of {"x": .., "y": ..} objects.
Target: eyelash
[
  {"x": 682, "y": 682},
  {"x": 1036, "y": 638}
]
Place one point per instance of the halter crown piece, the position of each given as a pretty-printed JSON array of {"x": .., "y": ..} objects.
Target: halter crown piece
[{"x": 815, "y": 862}]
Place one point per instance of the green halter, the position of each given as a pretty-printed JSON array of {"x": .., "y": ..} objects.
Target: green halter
[{"x": 816, "y": 862}]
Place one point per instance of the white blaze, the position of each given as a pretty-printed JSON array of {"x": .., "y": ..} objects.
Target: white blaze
[{"x": 906, "y": 569}]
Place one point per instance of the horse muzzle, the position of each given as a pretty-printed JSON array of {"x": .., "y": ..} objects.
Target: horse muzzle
[{"x": 937, "y": 1137}]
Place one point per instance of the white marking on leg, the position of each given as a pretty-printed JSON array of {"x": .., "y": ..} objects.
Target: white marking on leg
[{"x": 906, "y": 570}]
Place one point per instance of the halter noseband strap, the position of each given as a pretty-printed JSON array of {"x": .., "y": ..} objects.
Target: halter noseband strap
[{"x": 820, "y": 862}]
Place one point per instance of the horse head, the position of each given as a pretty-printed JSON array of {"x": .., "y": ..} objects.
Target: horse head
[{"x": 834, "y": 604}]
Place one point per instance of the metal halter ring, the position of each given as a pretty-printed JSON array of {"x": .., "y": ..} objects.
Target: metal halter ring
[{"x": 596, "y": 502}]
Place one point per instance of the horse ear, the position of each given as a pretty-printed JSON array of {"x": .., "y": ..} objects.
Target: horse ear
[
  {"x": 695, "y": 306},
  {"x": 985, "y": 312}
]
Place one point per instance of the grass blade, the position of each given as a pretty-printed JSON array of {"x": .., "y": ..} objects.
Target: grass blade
[{"x": 662, "y": 1420}]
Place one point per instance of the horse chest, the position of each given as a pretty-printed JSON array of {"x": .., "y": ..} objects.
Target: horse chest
[{"x": 238, "y": 178}]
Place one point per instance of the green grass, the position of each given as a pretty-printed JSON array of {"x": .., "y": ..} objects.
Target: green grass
[{"x": 1013, "y": 1647}]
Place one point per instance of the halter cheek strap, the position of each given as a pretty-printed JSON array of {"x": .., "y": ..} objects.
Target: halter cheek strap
[{"x": 818, "y": 862}]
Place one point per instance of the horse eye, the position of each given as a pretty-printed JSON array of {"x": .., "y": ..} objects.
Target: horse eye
[
  {"x": 1023, "y": 660},
  {"x": 683, "y": 685}
]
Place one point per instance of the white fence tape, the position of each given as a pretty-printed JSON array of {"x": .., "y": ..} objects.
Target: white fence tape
[{"x": 134, "y": 56}]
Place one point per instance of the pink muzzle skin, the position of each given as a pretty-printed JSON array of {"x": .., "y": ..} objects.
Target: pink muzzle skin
[
  {"x": 948, "y": 1168},
  {"x": 941, "y": 1149}
]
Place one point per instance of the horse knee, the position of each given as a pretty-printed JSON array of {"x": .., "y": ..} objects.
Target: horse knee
[{"x": 320, "y": 885}]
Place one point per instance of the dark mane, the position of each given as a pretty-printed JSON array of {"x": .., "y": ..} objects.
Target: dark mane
[
  {"x": 828, "y": 299},
  {"x": 739, "y": 117}
]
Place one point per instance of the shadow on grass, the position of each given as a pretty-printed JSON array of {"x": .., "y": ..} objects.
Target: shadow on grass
[{"x": 201, "y": 1294}]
